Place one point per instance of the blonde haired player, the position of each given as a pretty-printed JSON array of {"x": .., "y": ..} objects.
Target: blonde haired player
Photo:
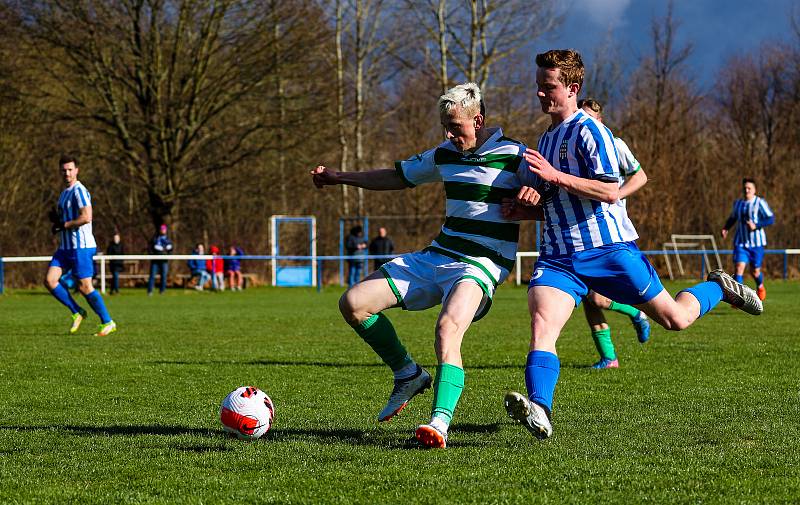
[{"x": 474, "y": 251}]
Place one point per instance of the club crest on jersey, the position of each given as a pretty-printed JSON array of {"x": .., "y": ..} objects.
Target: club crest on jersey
[{"x": 562, "y": 150}]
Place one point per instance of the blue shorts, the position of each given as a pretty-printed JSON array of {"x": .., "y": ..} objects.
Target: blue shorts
[
  {"x": 618, "y": 271},
  {"x": 78, "y": 260},
  {"x": 752, "y": 255}
]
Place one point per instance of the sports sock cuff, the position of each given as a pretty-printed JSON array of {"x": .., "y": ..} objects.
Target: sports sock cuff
[
  {"x": 708, "y": 294},
  {"x": 622, "y": 308},
  {"x": 738, "y": 278},
  {"x": 543, "y": 359},
  {"x": 364, "y": 325},
  {"x": 450, "y": 373},
  {"x": 760, "y": 279}
]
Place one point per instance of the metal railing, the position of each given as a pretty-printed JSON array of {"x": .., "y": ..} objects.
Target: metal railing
[{"x": 102, "y": 259}]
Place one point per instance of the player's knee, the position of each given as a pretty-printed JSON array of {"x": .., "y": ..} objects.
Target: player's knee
[
  {"x": 50, "y": 284},
  {"x": 675, "y": 322},
  {"x": 446, "y": 328},
  {"x": 597, "y": 300},
  {"x": 350, "y": 310}
]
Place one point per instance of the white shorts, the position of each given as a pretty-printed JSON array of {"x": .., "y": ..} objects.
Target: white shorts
[{"x": 424, "y": 279}]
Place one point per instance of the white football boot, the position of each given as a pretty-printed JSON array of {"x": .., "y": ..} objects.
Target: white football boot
[
  {"x": 529, "y": 414},
  {"x": 737, "y": 294}
]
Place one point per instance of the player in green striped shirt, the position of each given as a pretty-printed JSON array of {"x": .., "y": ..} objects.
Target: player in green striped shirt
[{"x": 474, "y": 251}]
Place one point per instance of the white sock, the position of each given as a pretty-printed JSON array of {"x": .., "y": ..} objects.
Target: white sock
[
  {"x": 407, "y": 371},
  {"x": 440, "y": 424}
]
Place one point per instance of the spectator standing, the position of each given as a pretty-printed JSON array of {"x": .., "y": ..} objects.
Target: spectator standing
[
  {"x": 159, "y": 245},
  {"x": 233, "y": 267},
  {"x": 380, "y": 245},
  {"x": 356, "y": 246},
  {"x": 117, "y": 266},
  {"x": 198, "y": 269},
  {"x": 216, "y": 268}
]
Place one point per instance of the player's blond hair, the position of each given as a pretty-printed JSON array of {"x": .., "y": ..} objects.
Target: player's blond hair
[
  {"x": 568, "y": 61},
  {"x": 467, "y": 95}
]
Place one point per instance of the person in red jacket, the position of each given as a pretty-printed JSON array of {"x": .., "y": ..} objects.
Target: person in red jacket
[{"x": 217, "y": 270}]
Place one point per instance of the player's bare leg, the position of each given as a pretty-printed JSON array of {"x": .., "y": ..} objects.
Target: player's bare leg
[
  {"x": 457, "y": 313},
  {"x": 362, "y": 307},
  {"x": 550, "y": 309}
]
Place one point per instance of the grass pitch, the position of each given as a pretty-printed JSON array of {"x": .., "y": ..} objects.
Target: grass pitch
[{"x": 709, "y": 415}]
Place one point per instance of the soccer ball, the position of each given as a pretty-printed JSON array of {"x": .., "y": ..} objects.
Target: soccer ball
[{"x": 247, "y": 413}]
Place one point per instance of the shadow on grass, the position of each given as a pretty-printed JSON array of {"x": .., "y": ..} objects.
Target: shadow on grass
[
  {"x": 327, "y": 364},
  {"x": 393, "y": 438},
  {"x": 267, "y": 362},
  {"x": 123, "y": 430}
]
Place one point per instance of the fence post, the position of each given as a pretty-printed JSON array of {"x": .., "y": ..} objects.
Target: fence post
[
  {"x": 785, "y": 265},
  {"x": 2, "y": 276},
  {"x": 103, "y": 274}
]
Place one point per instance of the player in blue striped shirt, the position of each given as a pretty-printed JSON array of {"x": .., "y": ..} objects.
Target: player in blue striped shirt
[
  {"x": 72, "y": 221},
  {"x": 588, "y": 240},
  {"x": 752, "y": 213}
]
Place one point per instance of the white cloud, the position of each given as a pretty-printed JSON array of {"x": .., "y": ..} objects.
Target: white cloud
[{"x": 603, "y": 13}]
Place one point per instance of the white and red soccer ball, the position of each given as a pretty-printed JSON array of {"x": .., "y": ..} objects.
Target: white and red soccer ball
[{"x": 247, "y": 413}]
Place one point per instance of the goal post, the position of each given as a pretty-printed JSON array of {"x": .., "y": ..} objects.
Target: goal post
[{"x": 302, "y": 272}]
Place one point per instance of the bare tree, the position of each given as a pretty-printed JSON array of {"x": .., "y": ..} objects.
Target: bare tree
[
  {"x": 473, "y": 36},
  {"x": 166, "y": 82}
]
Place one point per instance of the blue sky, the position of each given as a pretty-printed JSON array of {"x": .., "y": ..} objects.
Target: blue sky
[{"x": 717, "y": 29}]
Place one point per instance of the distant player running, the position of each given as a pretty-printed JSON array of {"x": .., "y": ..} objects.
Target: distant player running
[
  {"x": 632, "y": 178},
  {"x": 72, "y": 221},
  {"x": 474, "y": 252},
  {"x": 753, "y": 215},
  {"x": 589, "y": 240}
]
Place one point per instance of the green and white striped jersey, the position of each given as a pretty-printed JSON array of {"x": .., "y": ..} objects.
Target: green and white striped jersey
[{"x": 474, "y": 230}]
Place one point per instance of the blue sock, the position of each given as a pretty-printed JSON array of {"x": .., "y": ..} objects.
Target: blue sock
[
  {"x": 63, "y": 296},
  {"x": 541, "y": 375},
  {"x": 98, "y": 306},
  {"x": 760, "y": 279},
  {"x": 709, "y": 294},
  {"x": 738, "y": 278}
]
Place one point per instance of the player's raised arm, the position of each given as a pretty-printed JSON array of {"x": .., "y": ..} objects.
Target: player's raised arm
[
  {"x": 377, "y": 180},
  {"x": 594, "y": 189},
  {"x": 633, "y": 184}
]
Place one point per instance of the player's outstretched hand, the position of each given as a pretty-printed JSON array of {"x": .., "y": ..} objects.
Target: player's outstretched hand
[
  {"x": 321, "y": 177},
  {"x": 528, "y": 196},
  {"x": 539, "y": 165},
  {"x": 724, "y": 233}
]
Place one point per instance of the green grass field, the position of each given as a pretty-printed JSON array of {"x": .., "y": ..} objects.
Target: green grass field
[{"x": 709, "y": 415}]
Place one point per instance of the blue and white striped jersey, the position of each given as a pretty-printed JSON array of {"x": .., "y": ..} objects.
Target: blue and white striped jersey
[
  {"x": 756, "y": 210},
  {"x": 474, "y": 230},
  {"x": 583, "y": 147},
  {"x": 71, "y": 201}
]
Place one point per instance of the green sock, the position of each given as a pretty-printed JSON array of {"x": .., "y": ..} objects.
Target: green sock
[
  {"x": 602, "y": 340},
  {"x": 447, "y": 388},
  {"x": 378, "y": 332},
  {"x": 628, "y": 310}
]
